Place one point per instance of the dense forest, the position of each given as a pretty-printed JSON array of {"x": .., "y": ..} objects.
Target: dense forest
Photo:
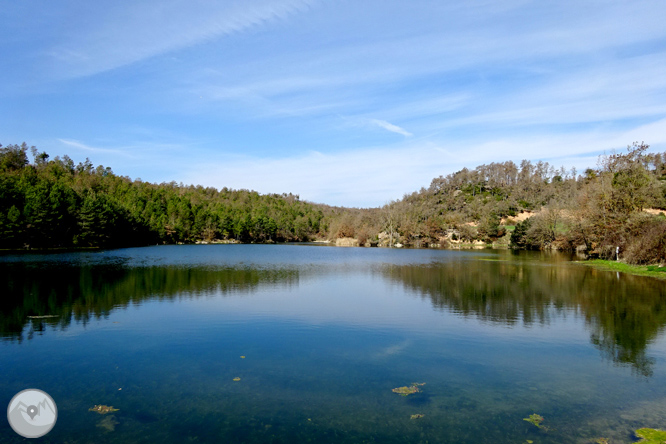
[{"x": 55, "y": 203}]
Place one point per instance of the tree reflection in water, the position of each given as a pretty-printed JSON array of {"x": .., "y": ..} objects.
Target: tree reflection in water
[{"x": 624, "y": 313}]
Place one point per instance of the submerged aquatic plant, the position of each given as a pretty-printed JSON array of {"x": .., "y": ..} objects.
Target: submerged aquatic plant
[
  {"x": 651, "y": 436},
  {"x": 102, "y": 409},
  {"x": 109, "y": 423},
  {"x": 406, "y": 391},
  {"x": 536, "y": 420}
]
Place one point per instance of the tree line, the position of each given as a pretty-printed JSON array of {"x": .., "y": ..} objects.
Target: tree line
[
  {"x": 56, "y": 203},
  {"x": 595, "y": 211}
]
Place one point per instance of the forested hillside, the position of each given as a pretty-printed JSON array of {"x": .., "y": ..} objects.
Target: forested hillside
[
  {"x": 596, "y": 211},
  {"x": 57, "y": 203},
  {"x": 531, "y": 205}
]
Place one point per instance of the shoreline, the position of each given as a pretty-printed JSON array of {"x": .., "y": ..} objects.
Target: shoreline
[
  {"x": 653, "y": 271},
  {"x": 621, "y": 267}
]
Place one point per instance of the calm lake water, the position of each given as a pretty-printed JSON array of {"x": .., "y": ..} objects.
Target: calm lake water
[{"x": 319, "y": 337}]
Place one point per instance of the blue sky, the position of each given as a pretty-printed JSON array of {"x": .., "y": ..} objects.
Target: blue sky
[{"x": 342, "y": 102}]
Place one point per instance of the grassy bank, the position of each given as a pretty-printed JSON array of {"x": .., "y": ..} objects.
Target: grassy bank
[{"x": 638, "y": 270}]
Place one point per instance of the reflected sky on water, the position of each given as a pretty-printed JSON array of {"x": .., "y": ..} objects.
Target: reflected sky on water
[{"x": 327, "y": 333}]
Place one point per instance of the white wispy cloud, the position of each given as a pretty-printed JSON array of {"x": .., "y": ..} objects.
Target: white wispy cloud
[
  {"x": 391, "y": 127},
  {"x": 550, "y": 70},
  {"x": 83, "y": 147},
  {"x": 462, "y": 83},
  {"x": 122, "y": 34},
  {"x": 372, "y": 176}
]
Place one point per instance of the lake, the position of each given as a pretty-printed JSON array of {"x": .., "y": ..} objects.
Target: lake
[{"x": 305, "y": 344}]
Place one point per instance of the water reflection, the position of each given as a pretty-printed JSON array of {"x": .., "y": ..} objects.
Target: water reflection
[
  {"x": 47, "y": 294},
  {"x": 624, "y": 313}
]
